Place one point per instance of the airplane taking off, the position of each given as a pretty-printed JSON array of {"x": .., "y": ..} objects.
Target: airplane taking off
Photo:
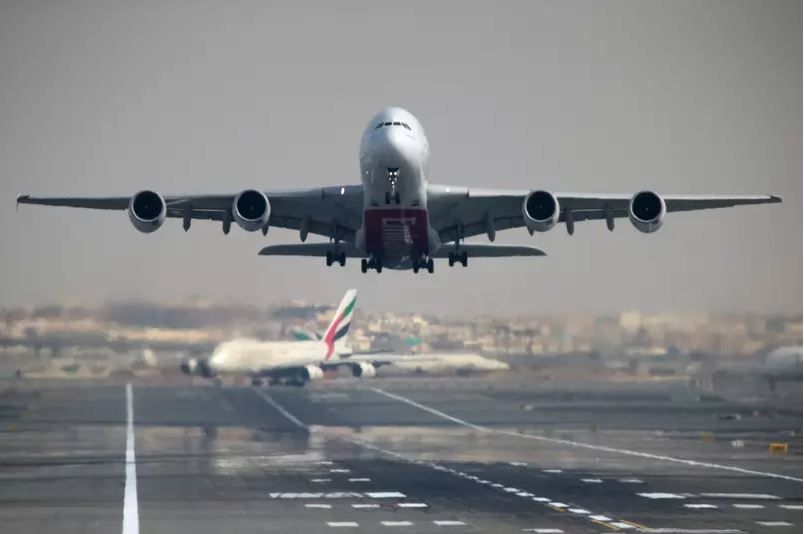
[
  {"x": 396, "y": 219},
  {"x": 291, "y": 363}
]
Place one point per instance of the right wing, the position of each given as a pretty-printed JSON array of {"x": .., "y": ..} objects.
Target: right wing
[
  {"x": 475, "y": 250},
  {"x": 328, "y": 210}
]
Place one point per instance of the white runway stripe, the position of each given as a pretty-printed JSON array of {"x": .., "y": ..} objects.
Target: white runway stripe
[
  {"x": 279, "y": 408},
  {"x": 412, "y": 505},
  {"x": 397, "y": 523},
  {"x": 447, "y": 523},
  {"x": 774, "y": 523},
  {"x": 385, "y": 495},
  {"x": 342, "y": 524},
  {"x": 761, "y": 496},
  {"x": 316, "y": 505},
  {"x": 131, "y": 514},
  {"x": 626, "y": 452},
  {"x": 544, "y": 530},
  {"x": 748, "y": 506},
  {"x": 368, "y": 505},
  {"x": 790, "y": 506}
]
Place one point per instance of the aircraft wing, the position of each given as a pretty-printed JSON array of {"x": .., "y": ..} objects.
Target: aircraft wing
[
  {"x": 328, "y": 210},
  {"x": 464, "y": 212}
]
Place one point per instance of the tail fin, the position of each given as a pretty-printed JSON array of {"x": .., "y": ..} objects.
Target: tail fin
[{"x": 335, "y": 334}]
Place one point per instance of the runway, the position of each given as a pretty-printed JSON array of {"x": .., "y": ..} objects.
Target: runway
[{"x": 414, "y": 455}]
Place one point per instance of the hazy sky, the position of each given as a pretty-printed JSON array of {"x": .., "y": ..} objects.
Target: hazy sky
[{"x": 103, "y": 97}]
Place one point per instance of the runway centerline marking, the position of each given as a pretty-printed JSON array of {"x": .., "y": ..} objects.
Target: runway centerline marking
[
  {"x": 131, "y": 514},
  {"x": 579, "y": 444},
  {"x": 281, "y": 409}
]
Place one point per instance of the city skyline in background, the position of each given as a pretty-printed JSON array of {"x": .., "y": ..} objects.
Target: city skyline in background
[{"x": 681, "y": 97}]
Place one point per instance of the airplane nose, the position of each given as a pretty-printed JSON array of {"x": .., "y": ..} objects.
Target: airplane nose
[{"x": 398, "y": 148}]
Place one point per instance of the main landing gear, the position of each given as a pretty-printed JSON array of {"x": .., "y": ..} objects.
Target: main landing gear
[
  {"x": 336, "y": 257},
  {"x": 424, "y": 263},
  {"x": 458, "y": 257},
  {"x": 371, "y": 263}
]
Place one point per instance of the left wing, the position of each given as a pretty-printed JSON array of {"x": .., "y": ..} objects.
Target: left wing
[
  {"x": 325, "y": 211},
  {"x": 461, "y": 212}
]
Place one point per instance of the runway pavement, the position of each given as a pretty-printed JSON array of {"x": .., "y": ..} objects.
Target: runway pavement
[{"x": 412, "y": 455}]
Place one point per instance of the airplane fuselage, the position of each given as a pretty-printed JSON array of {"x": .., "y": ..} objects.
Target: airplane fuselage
[
  {"x": 394, "y": 153},
  {"x": 254, "y": 357}
]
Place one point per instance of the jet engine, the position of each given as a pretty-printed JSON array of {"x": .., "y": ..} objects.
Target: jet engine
[
  {"x": 251, "y": 210},
  {"x": 364, "y": 370},
  {"x": 147, "y": 211},
  {"x": 196, "y": 367},
  {"x": 188, "y": 366},
  {"x": 312, "y": 372},
  {"x": 646, "y": 211},
  {"x": 540, "y": 210}
]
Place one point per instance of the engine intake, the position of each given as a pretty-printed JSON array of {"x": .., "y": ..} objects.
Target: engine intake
[
  {"x": 364, "y": 370},
  {"x": 147, "y": 211},
  {"x": 541, "y": 211},
  {"x": 251, "y": 210},
  {"x": 312, "y": 372},
  {"x": 646, "y": 211}
]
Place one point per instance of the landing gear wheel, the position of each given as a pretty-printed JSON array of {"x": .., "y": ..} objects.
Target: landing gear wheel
[
  {"x": 415, "y": 267},
  {"x": 329, "y": 258},
  {"x": 465, "y": 258},
  {"x": 451, "y": 259},
  {"x": 342, "y": 258},
  {"x": 364, "y": 265},
  {"x": 379, "y": 266},
  {"x": 430, "y": 265}
]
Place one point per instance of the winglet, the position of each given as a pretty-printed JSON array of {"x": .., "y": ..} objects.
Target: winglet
[
  {"x": 21, "y": 198},
  {"x": 775, "y": 198}
]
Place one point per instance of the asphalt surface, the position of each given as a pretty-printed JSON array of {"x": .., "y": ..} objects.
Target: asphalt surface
[{"x": 413, "y": 455}]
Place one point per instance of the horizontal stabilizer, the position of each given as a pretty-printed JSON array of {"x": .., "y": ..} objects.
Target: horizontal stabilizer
[
  {"x": 490, "y": 251},
  {"x": 309, "y": 249}
]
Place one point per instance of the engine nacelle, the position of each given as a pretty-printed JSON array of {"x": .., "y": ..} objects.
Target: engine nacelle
[
  {"x": 312, "y": 372},
  {"x": 189, "y": 366},
  {"x": 646, "y": 211},
  {"x": 251, "y": 210},
  {"x": 197, "y": 367},
  {"x": 540, "y": 210},
  {"x": 147, "y": 211},
  {"x": 364, "y": 370}
]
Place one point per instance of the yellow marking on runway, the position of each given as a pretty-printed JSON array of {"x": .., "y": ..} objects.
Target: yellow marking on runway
[{"x": 612, "y": 527}]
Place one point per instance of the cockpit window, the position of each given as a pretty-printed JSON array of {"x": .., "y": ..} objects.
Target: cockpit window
[{"x": 394, "y": 123}]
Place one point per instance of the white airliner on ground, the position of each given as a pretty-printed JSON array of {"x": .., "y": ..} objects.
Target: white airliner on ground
[
  {"x": 395, "y": 218},
  {"x": 288, "y": 362}
]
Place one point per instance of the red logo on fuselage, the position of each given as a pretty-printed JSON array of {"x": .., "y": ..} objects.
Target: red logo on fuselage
[{"x": 395, "y": 232}]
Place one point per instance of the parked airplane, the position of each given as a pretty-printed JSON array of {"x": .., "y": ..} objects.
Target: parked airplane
[
  {"x": 289, "y": 362},
  {"x": 396, "y": 218}
]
